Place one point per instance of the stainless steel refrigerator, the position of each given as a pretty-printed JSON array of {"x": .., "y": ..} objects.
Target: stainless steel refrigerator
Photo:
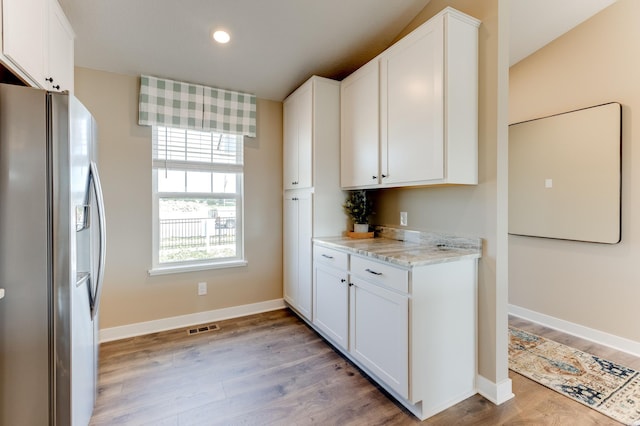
[{"x": 52, "y": 252}]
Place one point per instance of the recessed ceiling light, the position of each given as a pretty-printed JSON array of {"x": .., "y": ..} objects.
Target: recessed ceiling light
[{"x": 221, "y": 36}]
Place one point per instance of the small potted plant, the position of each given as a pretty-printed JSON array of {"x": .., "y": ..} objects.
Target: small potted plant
[{"x": 358, "y": 207}]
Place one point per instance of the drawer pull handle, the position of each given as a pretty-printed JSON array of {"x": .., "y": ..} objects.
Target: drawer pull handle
[
  {"x": 373, "y": 272},
  {"x": 327, "y": 256},
  {"x": 342, "y": 280}
]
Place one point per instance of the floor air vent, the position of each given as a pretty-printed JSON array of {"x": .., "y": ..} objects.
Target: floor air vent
[{"x": 202, "y": 329}]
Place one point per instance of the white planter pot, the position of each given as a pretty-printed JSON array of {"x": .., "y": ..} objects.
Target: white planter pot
[{"x": 361, "y": 227}]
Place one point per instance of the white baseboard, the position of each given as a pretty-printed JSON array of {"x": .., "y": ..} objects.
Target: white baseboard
[
  {"x": 140, "y": 328},
  {"x": 616, "y": 342},
  {"x": 494, "y": 392}
]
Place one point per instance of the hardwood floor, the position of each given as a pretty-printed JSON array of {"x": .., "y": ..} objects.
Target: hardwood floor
[{"x": 272, "y": 368}]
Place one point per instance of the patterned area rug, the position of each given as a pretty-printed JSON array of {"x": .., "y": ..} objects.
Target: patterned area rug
[{"x": 612, "y": 389}]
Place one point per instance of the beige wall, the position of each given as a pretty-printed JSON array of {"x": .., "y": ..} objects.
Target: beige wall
[
  {"x": 474, "y": 210},
  {"x": 593, "y": 285},
  {"x": 130, "y": 294}
]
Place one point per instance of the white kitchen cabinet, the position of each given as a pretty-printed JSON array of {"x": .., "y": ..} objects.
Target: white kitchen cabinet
[
  {"x": 298, "y": 222},
  {"x": 24, "y": 26},
  {"x": 413, "y": 329},
  {"x": 361, "y": 315},
  {"x": 298, "y": 138},
  {"x": 37, "y": 43},
  {"x": 360, "y": 136},
  {"x": 59, "y": 64},
  {"x": 331, "y": 295},
  {"x": 311, "y": 127},
  {"x": 379, "y": 332},
  {"x": 428, "y": 106},
  {"x": 312, "y": 161}
]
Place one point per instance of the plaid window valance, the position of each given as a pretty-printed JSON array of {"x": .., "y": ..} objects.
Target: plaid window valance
[{"x": 191, "y": 106}]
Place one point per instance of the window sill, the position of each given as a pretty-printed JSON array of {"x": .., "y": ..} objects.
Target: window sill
[{"x": 177, "y": 269}]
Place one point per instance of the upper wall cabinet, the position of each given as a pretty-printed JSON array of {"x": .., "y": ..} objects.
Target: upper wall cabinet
[
  {"x": 427, "y": 105},
  {"x": 24, "y": 24},
  {"x": 298, "y": 139},
  {"x": 311, "y": 132},
  {"x": 360, "y": 134},
  {"x": 37, "y": 43},
  {"x": 59, "y": 64}
]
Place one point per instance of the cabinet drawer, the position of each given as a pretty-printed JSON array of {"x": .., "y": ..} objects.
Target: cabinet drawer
[
  {"x": 381, "y": 273},
  {"x": 327, "y": 256}
]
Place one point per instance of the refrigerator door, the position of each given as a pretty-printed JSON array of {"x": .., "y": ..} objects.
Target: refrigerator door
[
  {"x": 86, "y": 228},
  {"x": 26, "y": 240}
]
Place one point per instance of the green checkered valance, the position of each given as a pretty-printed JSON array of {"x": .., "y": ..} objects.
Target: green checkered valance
[{"x": 191, "y": 106}]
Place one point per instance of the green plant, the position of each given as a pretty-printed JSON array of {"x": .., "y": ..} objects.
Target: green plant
[{"x": 358, "y": 206}]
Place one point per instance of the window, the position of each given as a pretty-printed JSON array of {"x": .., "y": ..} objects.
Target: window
[{"x": 197, "y": 199}]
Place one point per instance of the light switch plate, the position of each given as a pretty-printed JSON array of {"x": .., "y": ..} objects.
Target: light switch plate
[{"x": 202, "y": 288}]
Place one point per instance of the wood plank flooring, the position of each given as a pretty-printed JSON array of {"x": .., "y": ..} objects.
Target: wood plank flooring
[{"x": 272, "y": 369}]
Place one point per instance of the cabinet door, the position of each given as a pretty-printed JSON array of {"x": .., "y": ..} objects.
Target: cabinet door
[
  {"x": 290, "y": 250},
  {"x": 60, "y": 50},
  {"x": 359, "y": 111},
  {"x": 23, "y": 30},
  {"x": 331, "y": 308},
  {"x": 298, "y": 138},
  {"x": 379, "y": 333},
  {"x": 297, "y": 274},
  {"x": 290, "y": 144},
  {"x": 412, "y": 111},
  {"x": 305, "y": 260},
  {"x": 305, "y": 136}
]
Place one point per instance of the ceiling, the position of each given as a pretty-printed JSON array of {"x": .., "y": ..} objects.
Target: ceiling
[
  {"x": 276, "y": 44},
  {"x": 535, "y": 23}
]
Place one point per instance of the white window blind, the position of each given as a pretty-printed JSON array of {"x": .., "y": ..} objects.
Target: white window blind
[{"x": 179, "y": 149}]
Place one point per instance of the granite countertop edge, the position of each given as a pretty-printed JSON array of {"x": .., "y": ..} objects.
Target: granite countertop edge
[{"x": 408, "y": 248}]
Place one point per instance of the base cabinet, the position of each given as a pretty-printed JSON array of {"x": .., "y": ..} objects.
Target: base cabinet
[
  {"x": 297, "y": 214},
  {"x": 413, "y": 330},
  {"x": 332, "y": 304},
  {"x": 379, "y": 333}
]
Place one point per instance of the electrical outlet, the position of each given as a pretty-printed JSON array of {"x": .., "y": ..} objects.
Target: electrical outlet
[
  {"x": 202, "y": 288},
  {"x": 403, "y": 219}
]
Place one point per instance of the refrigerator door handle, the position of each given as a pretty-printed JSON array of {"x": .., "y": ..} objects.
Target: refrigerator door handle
[{"x": 97, "y": 188}]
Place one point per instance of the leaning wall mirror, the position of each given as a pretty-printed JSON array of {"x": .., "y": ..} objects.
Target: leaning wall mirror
[{"x": 565, "y": 175}]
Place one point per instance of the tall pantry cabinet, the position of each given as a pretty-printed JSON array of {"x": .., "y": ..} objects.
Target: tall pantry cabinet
[{"x": 311, "y": 180}]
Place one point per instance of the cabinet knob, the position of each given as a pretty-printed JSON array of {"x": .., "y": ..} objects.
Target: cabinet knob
[
  {"x": 49, "y": 79},
  {"x": 342, "y": 280},
  {"x": 350, "y": 284},
  {"x": 57, "y": 87},
  {"x": 384, "y": 176},
  {"x": 374, "y": 177}
]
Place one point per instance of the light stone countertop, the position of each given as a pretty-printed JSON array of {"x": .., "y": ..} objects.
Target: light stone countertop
[{"x": 408, "y": 248}]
